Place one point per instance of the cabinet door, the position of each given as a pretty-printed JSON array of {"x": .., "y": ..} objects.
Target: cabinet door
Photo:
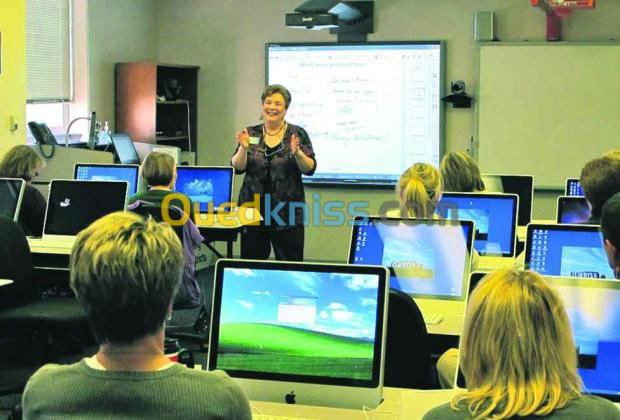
[{"x": 135, "y": 100}]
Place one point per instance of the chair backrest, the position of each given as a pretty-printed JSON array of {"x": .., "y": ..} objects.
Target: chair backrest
[
  {"x": 189, "y": 294},
  {"x": 407, "y": 355},
  {"x": 16, "y": 265}
]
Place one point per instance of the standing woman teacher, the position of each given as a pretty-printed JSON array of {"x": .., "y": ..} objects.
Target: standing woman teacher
[{"x": 273, "y": 156}]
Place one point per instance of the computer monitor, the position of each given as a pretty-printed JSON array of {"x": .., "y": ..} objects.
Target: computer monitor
[
  {"x": 11, "y": 194},
  {"x": 572, "y": 210},
  {"x": 73, "y": 205},
  {"x": 427, "y": 258},
  {"x": 108, "y": 172},
  {"x": 593, "y": 307},
  {"x": 207, "y": 185},
  {"x": 573, "y": 188},
  {"x": 495, "y": 217},
  {"x": 567, "y": 250},
  {"x": 522, "y": 185},
  {"x": 298, "y": 332},
  {"x": 125, "y": 150}
]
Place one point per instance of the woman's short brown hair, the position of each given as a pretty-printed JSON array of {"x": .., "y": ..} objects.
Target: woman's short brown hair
[
  {"x": 273, "y": 89},
  {"x": 460, "y": 173},
  {"x": 158, "y": 169},
  {"x": 21, "y": 162},
  {"x": 125, "y": 271}
]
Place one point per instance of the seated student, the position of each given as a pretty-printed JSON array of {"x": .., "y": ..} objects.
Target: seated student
[
  {"x": 125, "y": 271},
  {"x": 160, "y": 174},
  {"x": 460, "y": 173},
  {"x": 419, "y": 190},
  {"x": 23, "y": 162},
  {"x": 610, "y": 227},
  {"x": 600, "y": 179},
  {"x": 518, "y": 356}
]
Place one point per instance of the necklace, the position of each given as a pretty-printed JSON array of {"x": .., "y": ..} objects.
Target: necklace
[{"x": 273, "y": 134}]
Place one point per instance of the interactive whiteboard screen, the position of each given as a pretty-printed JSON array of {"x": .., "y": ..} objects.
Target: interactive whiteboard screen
[{"x": 371, "y": 110}]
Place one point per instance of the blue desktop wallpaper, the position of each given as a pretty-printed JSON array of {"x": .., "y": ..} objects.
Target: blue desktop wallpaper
[
  {"x": 493, "y": 218},
  {"x": 595, "y": 318},
  {"x": 298, "y": 323},
  {"x": 204, "y": 186},
  {"x": 102, "y": 173},
  {"x": 423, "y": 259},
  {"x": 568, "y": 253},
  {"x": 574, "y": 210}
]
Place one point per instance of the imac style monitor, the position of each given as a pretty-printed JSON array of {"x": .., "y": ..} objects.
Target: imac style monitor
[
  {"x": 301, "y": 333},
  {"x": 106, "y": 172},
  {"x": 428, "y": 259},
  {"x": 572, "y": 210},
  {"x": 567, "y": 251},
  {"x": 11, "y": 194},
  {"x": 593, "y": 307},
  {"x": 206, "y": 185},
  {"x": 495, "y": 217},
  {"x": 573, "y": 188},
  {"x": 522, "y": 185},
  {"x": 124, "y": 148}
]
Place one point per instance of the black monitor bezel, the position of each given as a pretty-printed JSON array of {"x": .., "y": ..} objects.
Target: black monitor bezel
[
  {"x": 381, "y": 320},
  {"x": 562, "y": 200}
]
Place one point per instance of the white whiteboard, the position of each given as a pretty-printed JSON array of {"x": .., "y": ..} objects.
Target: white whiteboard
[
  {"x": 546, "y": 109},
  {"x": 371, "y": 109}
]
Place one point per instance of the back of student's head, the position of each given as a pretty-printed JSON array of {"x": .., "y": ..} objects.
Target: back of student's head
[
  {"x": 600, "y": 179},
  {"x": 517, "y": 350},
  {"x": 20, "y": 162},
  {"x": 158, "y": 169},
  {"x": 610, "y": 224},
  {"x": 460, "y": 173},
  {"x": 125, "y": 271},
  {"x": 419, "y": 189}
]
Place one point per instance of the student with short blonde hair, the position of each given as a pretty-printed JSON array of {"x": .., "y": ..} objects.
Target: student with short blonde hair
[
  {"x": 460, "y": 173},
  {"x": 518, "y": 355},
  {"x": 418, "y": 189},
  {"x": 125, "y": 271},
  {"x": 23, "y": 162}
]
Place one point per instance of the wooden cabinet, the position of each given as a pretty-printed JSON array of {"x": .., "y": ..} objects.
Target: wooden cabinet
[{"x": 157, "y": 103}]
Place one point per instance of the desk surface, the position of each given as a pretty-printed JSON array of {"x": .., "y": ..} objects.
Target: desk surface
[{"x": 397, "y": 404}]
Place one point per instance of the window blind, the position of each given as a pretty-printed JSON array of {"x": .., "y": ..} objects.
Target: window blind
[{"x": 48, "y": 51}]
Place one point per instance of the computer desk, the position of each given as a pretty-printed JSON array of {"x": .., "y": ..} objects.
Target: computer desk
[
  {"x": 225, "y": 227},
  {"x": 409, "y": 404}
]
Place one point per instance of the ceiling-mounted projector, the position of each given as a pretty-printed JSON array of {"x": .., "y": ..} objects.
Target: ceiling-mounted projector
[{"x": 322, "y": 14}]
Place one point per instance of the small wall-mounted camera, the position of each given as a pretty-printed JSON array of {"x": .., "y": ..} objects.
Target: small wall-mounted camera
[{"x": 458, "y": 97}]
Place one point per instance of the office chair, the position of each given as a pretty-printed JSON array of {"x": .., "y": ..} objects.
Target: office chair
[
  {"x": 23, "y": 312},
  {"x": 197, "y": 331},
  {"x": 407, "y": 353}
]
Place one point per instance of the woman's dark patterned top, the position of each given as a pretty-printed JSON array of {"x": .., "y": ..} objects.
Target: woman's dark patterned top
[{"x": 274, "y": 171}]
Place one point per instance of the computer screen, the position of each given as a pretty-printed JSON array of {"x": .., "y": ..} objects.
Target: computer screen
[
  {"x": 495, "y": 217},
  {"x": 205, "y": 185},
  {"x": 567, "y": 250},
  {"x": 573, "y": 187},
  {"x": 124, "y": 148},
  {"x": 593, "y": 307},
  {"x": 384, "y": 100},
  {"x": 296, "y": 322},
  {"x": 522, "y": 185},
  {"x": 100, "y": 172},
  {"x": 11, "y": 193},
  {"x": 426, "y": 258},
  {"x": 572, "y": 210},
  {"x": 73, "y": 205}
]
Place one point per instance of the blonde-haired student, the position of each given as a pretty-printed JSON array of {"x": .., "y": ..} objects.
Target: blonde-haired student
[
  {"x": 125, "y": 271},
  {"x": 460, "y": 173},
  {"x": 518, "y": 356},
  {"x": 418, "y": 190}
]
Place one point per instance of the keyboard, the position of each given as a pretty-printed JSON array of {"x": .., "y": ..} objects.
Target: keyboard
[
  {"x": 270, "y": 417},
  {"x": 432, "y": 318}
]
